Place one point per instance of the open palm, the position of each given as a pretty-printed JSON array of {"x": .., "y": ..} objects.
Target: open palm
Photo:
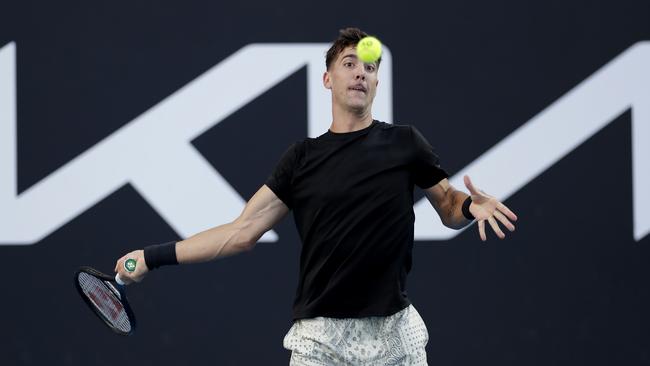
[{"x": 487, "y": 208}]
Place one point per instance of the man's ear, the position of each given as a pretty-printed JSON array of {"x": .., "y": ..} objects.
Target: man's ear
[{"x": 326, "y": 80}]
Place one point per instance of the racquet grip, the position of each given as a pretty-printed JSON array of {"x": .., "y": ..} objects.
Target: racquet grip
[{"x": 129, "y": 266}]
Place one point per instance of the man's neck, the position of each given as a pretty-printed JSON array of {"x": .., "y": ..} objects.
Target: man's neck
[{"x": 348, "y": 121}]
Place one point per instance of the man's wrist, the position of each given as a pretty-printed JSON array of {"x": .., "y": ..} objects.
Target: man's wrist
[
  {"x": 160, "y": 255},
  {"x": 465, "y": 208}
]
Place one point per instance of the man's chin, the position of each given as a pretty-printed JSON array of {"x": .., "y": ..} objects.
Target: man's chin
[
  {"x": 358, "y": 108},
  {"x": 358, "y": 104}
]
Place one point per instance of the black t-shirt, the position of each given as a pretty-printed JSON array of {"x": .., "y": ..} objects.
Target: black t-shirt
[{"x": 352, "y": 200}]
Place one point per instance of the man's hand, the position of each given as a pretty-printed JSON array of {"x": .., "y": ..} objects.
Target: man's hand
[
  {"x": 485, "y": 207},
  {"x": 140, "y": 267}
]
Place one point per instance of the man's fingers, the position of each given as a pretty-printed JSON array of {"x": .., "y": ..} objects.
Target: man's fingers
[
  {"x": 503, "y": 208},
  {"x": 481, "y": 229},
  {"x": 496, "y": 227},
  {"x": 470, "y": 186},
  {"x": 118, "y": 264},
  {"x": 504, "y": 220},
  {"x": 121, "y": 272}
]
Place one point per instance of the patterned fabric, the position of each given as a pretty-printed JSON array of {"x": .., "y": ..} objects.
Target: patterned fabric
[{"x": 398, "y": 339}]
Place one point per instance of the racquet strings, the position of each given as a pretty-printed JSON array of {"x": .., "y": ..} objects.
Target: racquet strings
[{"x": 106, "y": 300}]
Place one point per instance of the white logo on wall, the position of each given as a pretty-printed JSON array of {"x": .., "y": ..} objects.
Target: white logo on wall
[
  {"x": 620, "y": 85},
  {"x": 153, "y": 151}
]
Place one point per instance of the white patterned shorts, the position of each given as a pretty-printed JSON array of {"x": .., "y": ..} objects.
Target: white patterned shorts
[{"x": 397, "y": 339}]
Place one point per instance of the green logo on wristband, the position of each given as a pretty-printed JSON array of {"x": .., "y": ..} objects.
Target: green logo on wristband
[{"x": 129, "y": 265}]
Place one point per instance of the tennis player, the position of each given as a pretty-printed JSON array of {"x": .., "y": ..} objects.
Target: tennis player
[{"x": 351, "y": 192}]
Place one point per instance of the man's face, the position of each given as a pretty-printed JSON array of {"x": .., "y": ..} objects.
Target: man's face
[{"x": 353, "y": 83}]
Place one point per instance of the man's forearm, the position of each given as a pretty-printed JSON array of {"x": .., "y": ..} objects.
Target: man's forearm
[
  {"x": 453, "y": 213},
  {"x": 220, "y": 241}
]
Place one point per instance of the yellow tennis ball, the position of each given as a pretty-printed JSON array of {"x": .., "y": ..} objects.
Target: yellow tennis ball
[{"x": 369, "y": 49}]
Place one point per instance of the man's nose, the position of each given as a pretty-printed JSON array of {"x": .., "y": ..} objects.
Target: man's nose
[{"x": 360, "y": 76}]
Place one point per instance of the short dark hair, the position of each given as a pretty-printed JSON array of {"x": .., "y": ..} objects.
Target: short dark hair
[{"x": 347, "y": 37}]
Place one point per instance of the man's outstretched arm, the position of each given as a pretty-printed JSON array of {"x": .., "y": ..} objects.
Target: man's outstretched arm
[
  {"x": 448, "y": 202},
  {"x": 260, "y": 214}
]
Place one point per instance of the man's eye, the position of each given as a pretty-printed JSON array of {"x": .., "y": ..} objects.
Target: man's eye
[
  {"x": 370, "y": 67},
  {"x": 349, "y": 64}
]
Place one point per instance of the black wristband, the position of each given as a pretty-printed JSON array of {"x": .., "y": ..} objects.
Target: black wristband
[
  {"x": 160, "y": 255},
  {"x": 468, "y": 215}
]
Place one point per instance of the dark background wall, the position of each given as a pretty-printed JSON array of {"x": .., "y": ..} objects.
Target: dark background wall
[{"x": 569, "y": 287}]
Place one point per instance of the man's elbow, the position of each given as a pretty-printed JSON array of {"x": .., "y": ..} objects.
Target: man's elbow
[
  {"x": 248, "y": 235},
  {"x": 247, "y": 240},
  {"x": 250, "y": 228}
]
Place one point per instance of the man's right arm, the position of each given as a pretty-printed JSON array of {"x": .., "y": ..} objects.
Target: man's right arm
[{"x": 260, "y": 214}]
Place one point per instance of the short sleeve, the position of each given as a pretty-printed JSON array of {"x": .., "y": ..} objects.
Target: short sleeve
[
  {"x": 281, "y": 178},
  {"x": 425, "y": 167}
]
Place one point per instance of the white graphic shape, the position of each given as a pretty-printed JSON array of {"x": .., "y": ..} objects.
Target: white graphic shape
[
  {"x": 621, "y": 84},
  {"x": 153, "y": 152}
]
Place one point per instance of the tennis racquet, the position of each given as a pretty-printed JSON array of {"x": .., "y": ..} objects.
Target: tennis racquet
[{"x": 106, "y": 296}]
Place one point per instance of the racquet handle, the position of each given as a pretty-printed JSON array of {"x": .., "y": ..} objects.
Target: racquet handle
[{"x": 129, "y": 266}]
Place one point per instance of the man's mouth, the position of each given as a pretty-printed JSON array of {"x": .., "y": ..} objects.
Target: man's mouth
[{"x": 358, "y": 87}]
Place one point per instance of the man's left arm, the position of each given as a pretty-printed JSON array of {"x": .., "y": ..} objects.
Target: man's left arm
[{"x": 448, "y": 202}]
